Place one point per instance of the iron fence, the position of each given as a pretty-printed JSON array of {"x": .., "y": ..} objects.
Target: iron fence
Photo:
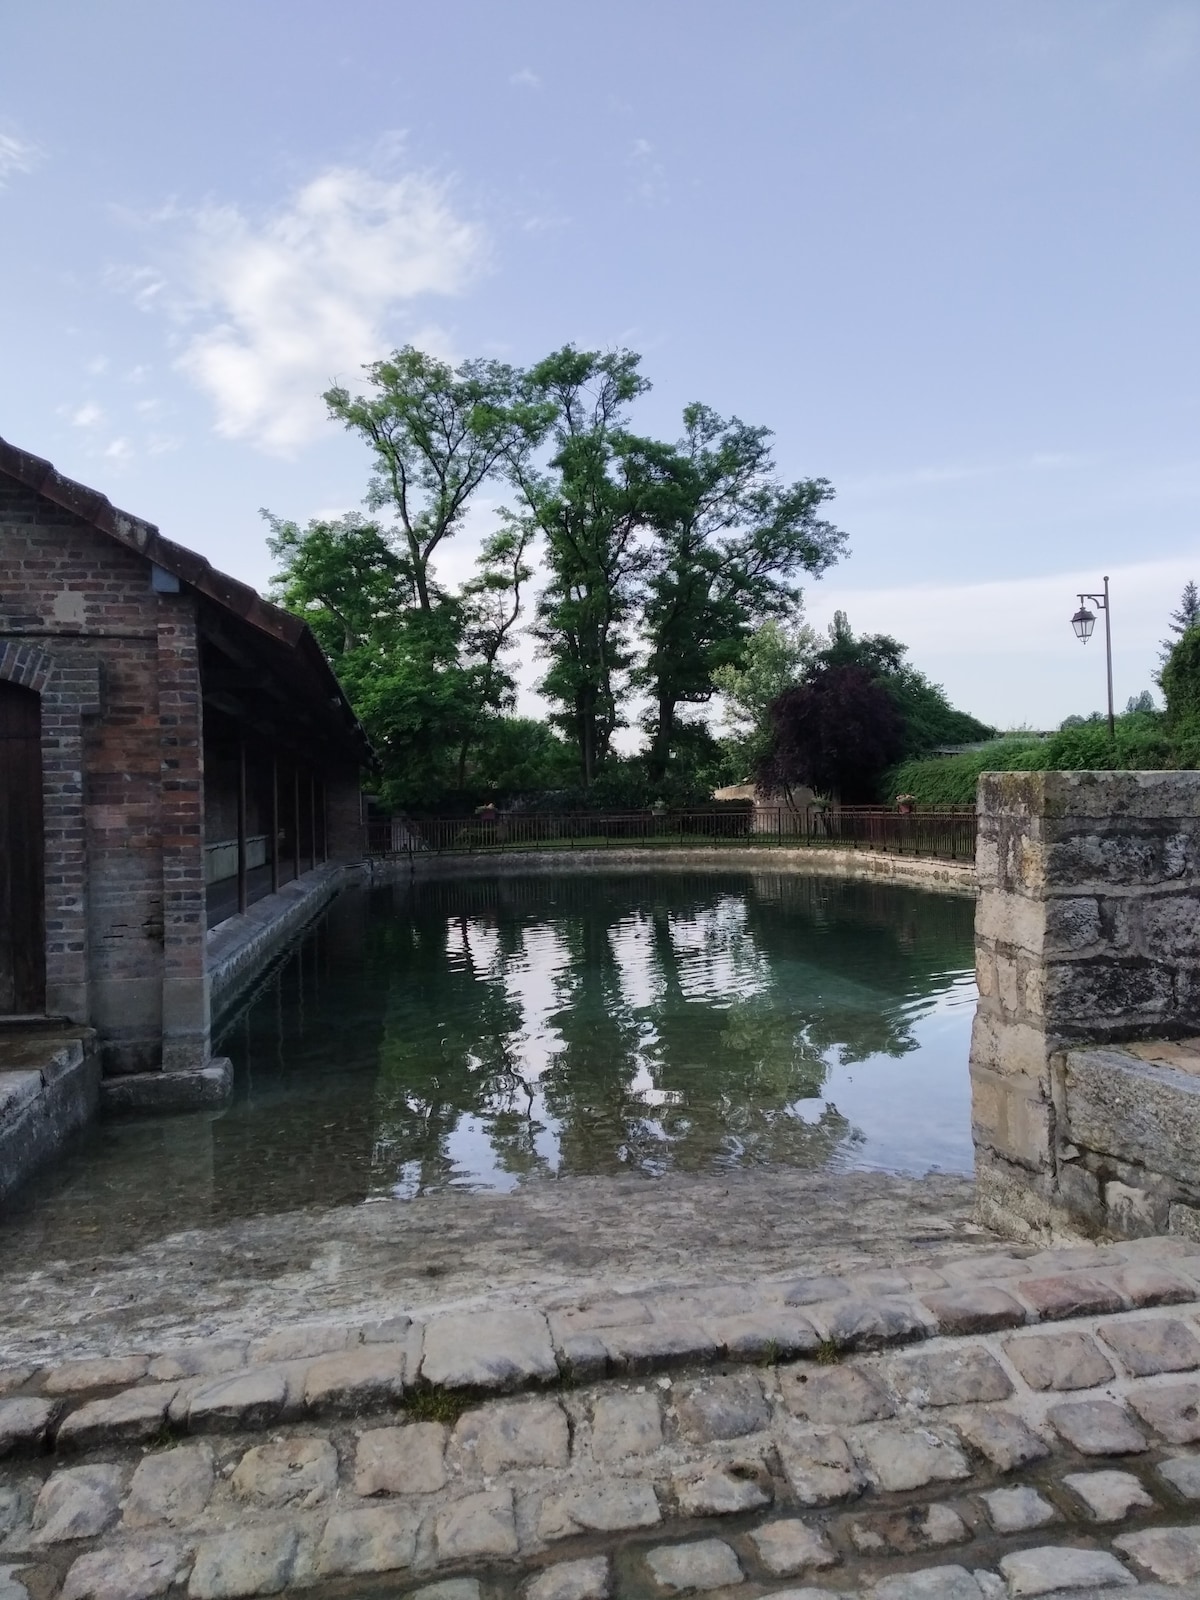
[{"x": 944, "y": 832}]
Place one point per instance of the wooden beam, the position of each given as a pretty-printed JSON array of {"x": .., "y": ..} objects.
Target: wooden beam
[
  {"x": 274, "y": 821},
  {"x": 296, "y": 818},
  {"x": 243, "y": 886}
]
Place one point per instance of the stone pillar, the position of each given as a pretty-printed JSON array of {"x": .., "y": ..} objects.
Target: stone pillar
[
  {"x": 1087, "y": 932},
  {"x": 346, "y": 838},
  {"x": 185, "y": 1005}
]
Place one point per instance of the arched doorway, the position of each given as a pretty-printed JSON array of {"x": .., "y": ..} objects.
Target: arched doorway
[{"x": 22, "y": 923}]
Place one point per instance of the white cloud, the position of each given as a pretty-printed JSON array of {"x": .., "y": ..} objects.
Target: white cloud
[
  {"x": 527, "y": 78},
  {"x": 17, "y": 157},
  {"x": 275, "y": 308},
  {"x": 88, "y": 415},
  {"x": 120, "y": 451}
]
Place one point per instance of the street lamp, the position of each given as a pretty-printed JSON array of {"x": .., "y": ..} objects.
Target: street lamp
[{"x": 1083, "y": 622}]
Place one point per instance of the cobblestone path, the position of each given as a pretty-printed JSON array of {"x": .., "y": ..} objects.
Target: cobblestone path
[{"x": 1012, "y": 1423}]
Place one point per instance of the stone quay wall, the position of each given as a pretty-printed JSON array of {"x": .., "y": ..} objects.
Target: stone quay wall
[{"x": 1085, "y": 1093}]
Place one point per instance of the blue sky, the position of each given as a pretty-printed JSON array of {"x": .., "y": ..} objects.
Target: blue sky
[{"x": 949, "y": 252}]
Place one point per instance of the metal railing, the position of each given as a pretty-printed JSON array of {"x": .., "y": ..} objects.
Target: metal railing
[{"x": 944, "y": 832}]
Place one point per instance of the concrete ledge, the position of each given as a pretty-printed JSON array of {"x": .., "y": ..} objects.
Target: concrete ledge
[
  {"x": 241, "y": 946},
  {"x": 188, "y": 1090},
  {"x": 917, "y": 872},
  {"x": 49, "y": 1087}
]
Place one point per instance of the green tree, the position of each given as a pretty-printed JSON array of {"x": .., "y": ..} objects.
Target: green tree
[
  {"x": 1181, "y": 687},
  {"x": 835, "y": 733},
  {"x": 1186, "y": 616},
  {"x": 773, "y": 658},
  {"x": 727, "y": 542}
]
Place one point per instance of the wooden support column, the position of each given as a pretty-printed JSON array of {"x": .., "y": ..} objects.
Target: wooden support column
[
  {"x": 274, "y": 822},
  {"x": 296, "y": 819},
  {"x": 243, "y": 898},
  {"x": 324, "y": 823},
  {"x": 312, "y": 819}
]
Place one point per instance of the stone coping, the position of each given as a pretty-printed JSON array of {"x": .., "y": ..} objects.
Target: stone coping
[
  {"x": 49, "y": 1086},
  {"x": 1044, "y": 1442}
]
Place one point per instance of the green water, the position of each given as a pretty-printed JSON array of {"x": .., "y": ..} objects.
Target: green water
[{"x": 478, "y": 1031}]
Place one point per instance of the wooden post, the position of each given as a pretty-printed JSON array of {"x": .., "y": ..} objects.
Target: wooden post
[
  {"x": 243, "y": 899},
  {"x": 274, "y": 822},
  {"x": 312, "y": 819},
  {"x": 324, "y": 823},
  {"x": 296, "y": 819}
]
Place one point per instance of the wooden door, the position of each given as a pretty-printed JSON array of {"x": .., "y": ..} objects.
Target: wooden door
[{"x": 22, "y": 932}]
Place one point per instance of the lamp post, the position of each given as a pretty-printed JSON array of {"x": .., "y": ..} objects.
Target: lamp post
[{"x": 1083, "y": 622}]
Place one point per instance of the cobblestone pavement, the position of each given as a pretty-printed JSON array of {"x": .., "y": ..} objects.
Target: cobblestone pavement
[{"x": 1010, "y": 1423}]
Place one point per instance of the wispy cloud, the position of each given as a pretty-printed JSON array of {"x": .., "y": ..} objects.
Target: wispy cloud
[
  {"x": 17, "y": 157},
  {"x": 88, "y": 415},
  {"x": 272, "y": 308},
  {"x": 526, "y": 78},
  {"x": 649, "y": 174}
]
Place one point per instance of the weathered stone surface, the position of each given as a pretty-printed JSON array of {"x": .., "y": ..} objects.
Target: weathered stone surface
[
  {"x": 11, "y": 1588},
  {"x": 406, "y": 1460},
  {"x": 873, "y": 1324},
  {"x": 722, "y": 1491},
  {"x": 811, "y": 1291},
  {"x": 299, "y": 1473},
  {"x": 206, "y": 1358},
  {"x": 906, "y": 1532},
  {"x": 1183, "y": 1474},
  {"x": 488, "y": 1350},
  {"x": 722, "y": 1408},
  {"x": 841, "y": 1397},
  {"x": 609, "y": 1507},
  {"x": 479, "y": 1525},
  {"x": 1059, "y": 1360},
  {"x": 582, "y": 1356},
  {"x": 625, "y": 1425},
  {"x": 657, "y": 1345},
  {"x": 707, "y": 1564},
  {"x": 1051, "y": 1570},
  {"x": 24, "y": 1422},
  {"x": 790, "y": 1546},
  {"x": 170, "y": 1486},
  {"x": 105, "y": 1372},
  {"x": 1147, "y": 1345},
  {"x": 900, "y": 1458},
  {"x": 934, "y": 1583},
  {"x": 1097, "y": 1428},
  {"x": 449, "y": 1589},
  {"x": 1017, "y": 1510},
  {"x": 619, "y": 1311},
  {"x": 15, "y": 1503},
  {"x": 374, "y": 1539},
  {"x": 1173, "y": 1411},
  {"x": 1108, "y": 1496},
  {"x": 818, "y": 1465},
  {"x": 518, "y": 1433},
  {"x": 960, "y": 1375},
  {"x": 771, "y": 1333},
  {"x": 1069, "y": 1294},
  {"x": 13, "y": 1377},
  {"x": 1139, "y": 1112},
  {"x": 250, "y": 1399},
  {"x": 1172, "y": 1554},
  {"x": 138, "y": 1570},
  {"x": 244, "y": 1561},
  {"x": 301, "y": 1343},
  {"x": 1147, "y": 1283},
  {"x": 77, "y": 1504},
  {"x": 126, "y": 1418},
  {"x": 572, "y": 1580},
  {"x": 356, "y": 1380},
  {"x": 1002, "y": 1437},
  {"x": 975, "y": 1308}
]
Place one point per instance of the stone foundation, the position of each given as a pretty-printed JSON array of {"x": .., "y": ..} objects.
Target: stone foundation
[{"x": 49, "y": 1086}]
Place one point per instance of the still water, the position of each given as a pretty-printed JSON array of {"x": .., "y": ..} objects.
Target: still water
[{"x": 473, "y": 1032}]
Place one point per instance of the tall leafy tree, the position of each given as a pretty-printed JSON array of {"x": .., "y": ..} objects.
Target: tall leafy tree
[
  {"x": 1185, "y": 616},
  {"x": 774, "y": 658},
  {"x": 836, "y": 734},
  {"x": 727, "y": 543}
]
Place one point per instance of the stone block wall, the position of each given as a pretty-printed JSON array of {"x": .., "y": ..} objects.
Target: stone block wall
[{"x": 1087, "y": 935}]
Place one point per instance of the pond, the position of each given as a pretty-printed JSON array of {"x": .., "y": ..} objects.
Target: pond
[{"x": 473, "y": 1032}]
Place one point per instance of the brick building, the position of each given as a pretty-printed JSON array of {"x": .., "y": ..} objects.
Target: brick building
[{"x": 172, "y": 750}]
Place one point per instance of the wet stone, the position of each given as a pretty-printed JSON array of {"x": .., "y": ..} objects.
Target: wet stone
[
  {"x": 906, "y": 1532},
  {"x": 405, "y": 1460},
  {"x": 1002, "y": 1437},
  {"x": 138, "y": 1570},
  {"x": 791, "y": 1546},
  {"x": 770, "y": 1334},
  {"x": 725, "y": 1490},
  {"x": 170, "y": 1486},
  {"x": 610, "y": 1507},
  {"x": 1183, "y": 1474},
  {"x": 901, "y": 1458},
  {"x": 1172, "y": 1554},
  {"x": 967, "y": 1375},
  {"x": 520, "y": 1433},
  {"x": 819, "y": 1467},
  {"x": 723, "y": 1408},
  {"x": 1108, "y": 1496},
  {"x": 76, "y": 1377},
  {"x": 625, "y": 1425},
  {"x": 24, "y": 1422},
  {"x": 298, "y": 1473},
  {"x": 1017, "y": 1510},
  {"x": 356, "y": 1380},
  {"x": 658, "y": 1344},
  {"x": 583, "y": 1356},
  {"x": 873, "y": 1324},
  {"x": 126, "y": 1418},
  {"x": 707, "y": 1564},
  {"x": 244, "y": 1561},
  {"x": 374, "y": 1539},
  {"x": 1097, "y": 1428},
  {"x": 1173, "y": 1411},
  {"x": 934, "y": 1583},
  {"x": 1059, "y": 1360},
  {"x": 488, "y": 1350},
  {"x": 1050, "y": 1569},
  {"x": 480, "y": 1525},
  {"x": 1149, "y": 1345},
  {"x": 247, "y": 1400},
  {"x": 1069, "y": 1294},
  {"x": 77, "y": 1504},
  {"x": 572, "y": 1580},
  {"x": 841, "y": 1397},
  {"x": 977, "y": 1308}
]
